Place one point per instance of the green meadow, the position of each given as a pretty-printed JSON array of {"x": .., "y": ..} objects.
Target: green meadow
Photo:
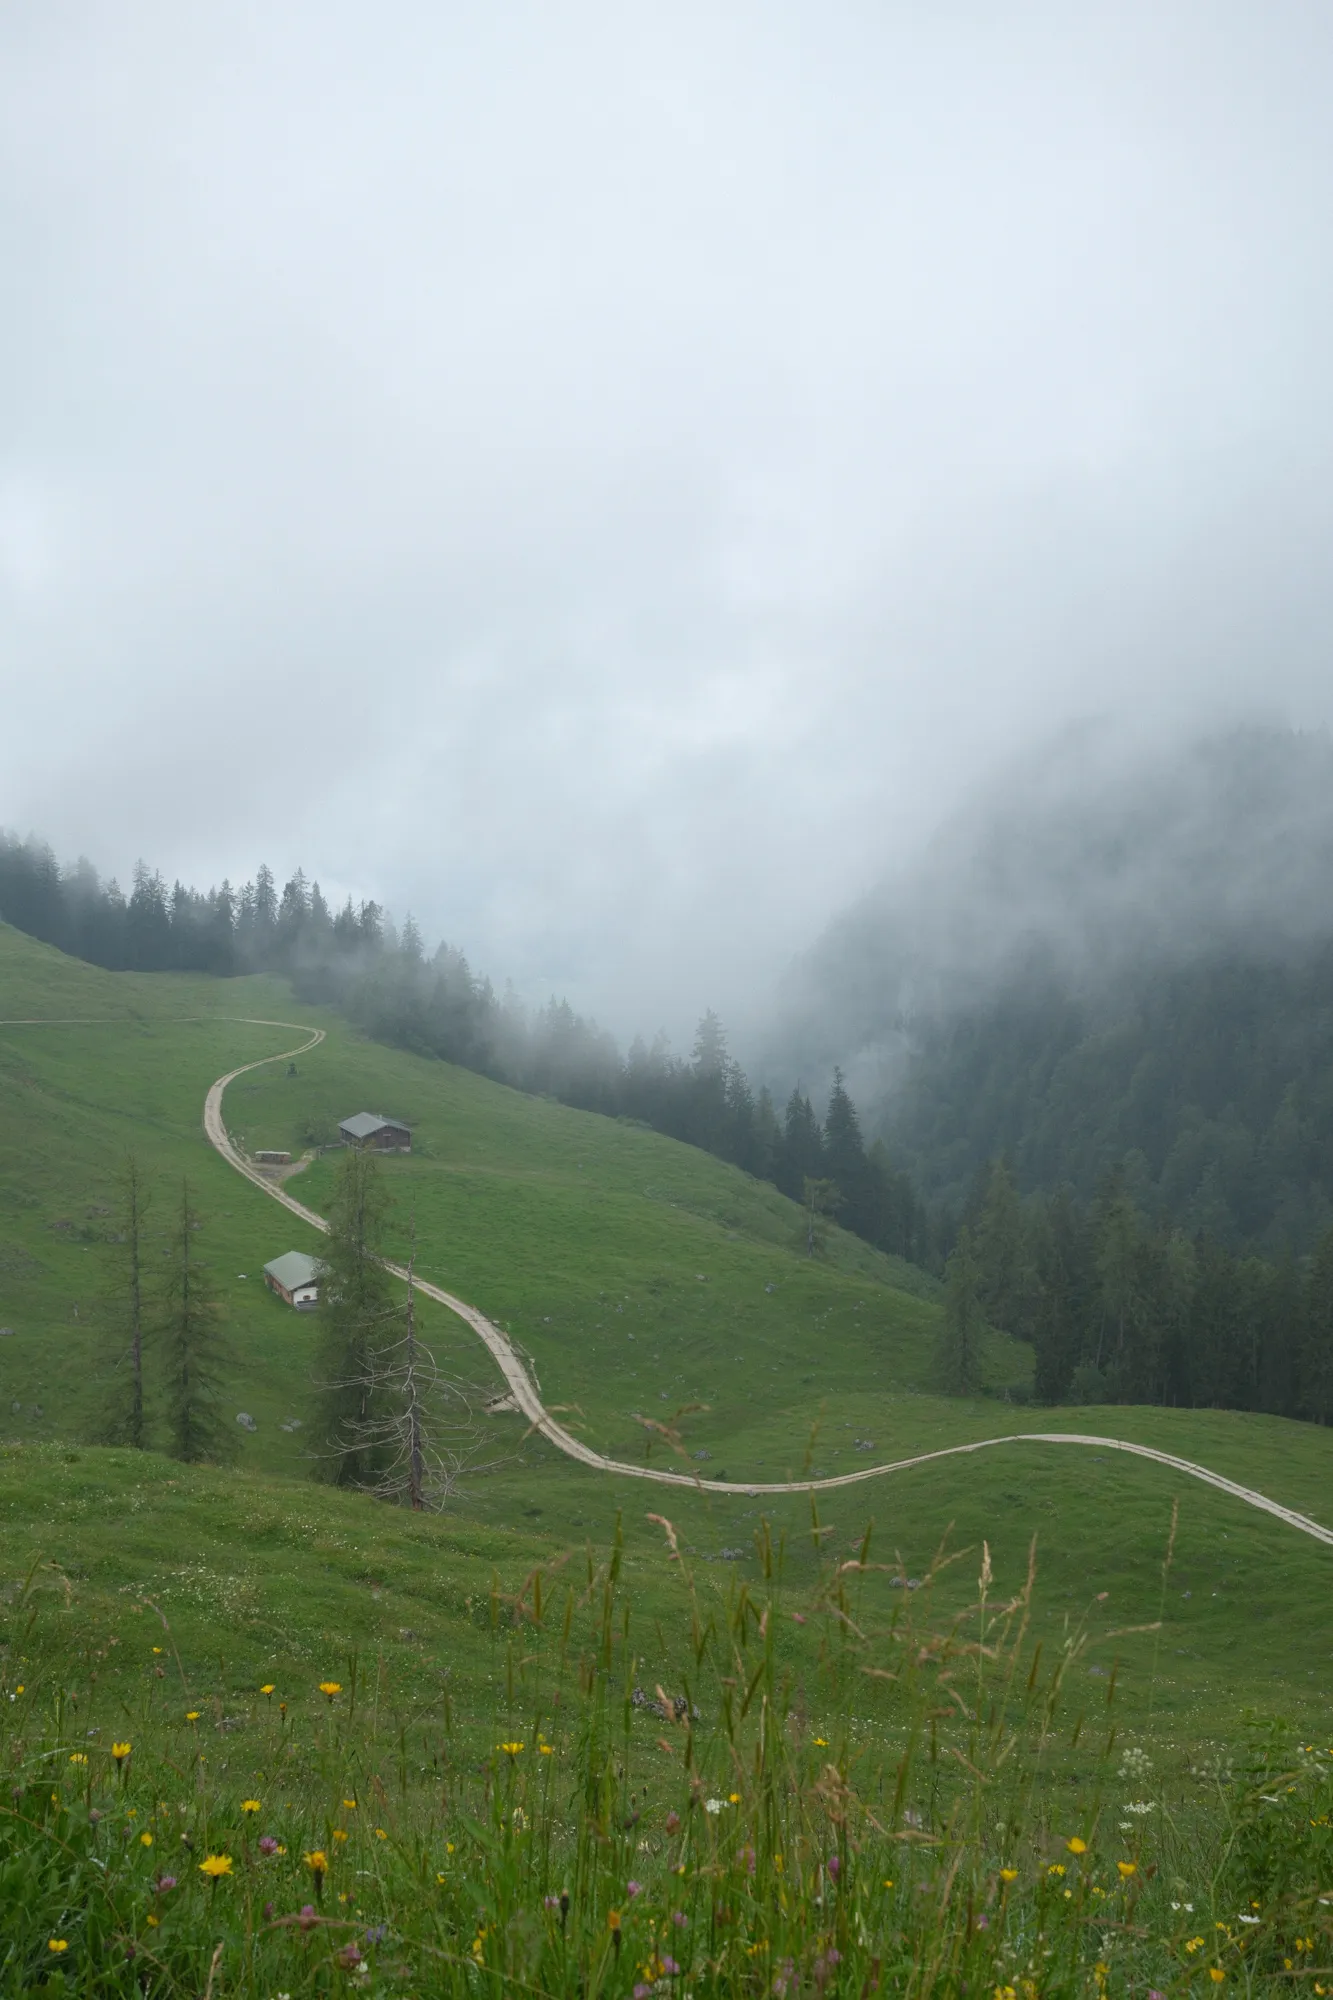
[
  {"x": 1003, "y": 1723},
  {"x": 643, "y": 1279}
]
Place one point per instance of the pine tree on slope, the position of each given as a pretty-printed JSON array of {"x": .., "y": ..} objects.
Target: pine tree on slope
[
  {"x": 958, "y": 1346},
  {"x": 355, "y": 1309},
  {"x": 193, "y": 1349}
]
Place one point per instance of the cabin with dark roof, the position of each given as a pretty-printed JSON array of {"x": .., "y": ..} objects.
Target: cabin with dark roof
[{"x": 371, "y": 1128}]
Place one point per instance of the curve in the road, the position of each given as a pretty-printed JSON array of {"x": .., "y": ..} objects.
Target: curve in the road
[{"x": 526, "y": 1397}]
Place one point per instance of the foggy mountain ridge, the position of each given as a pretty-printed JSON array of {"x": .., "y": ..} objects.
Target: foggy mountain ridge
[{"x": 1075, "y": 870}]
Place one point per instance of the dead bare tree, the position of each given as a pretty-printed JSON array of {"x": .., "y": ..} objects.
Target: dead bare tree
[{"x": 420, "y": 1434}]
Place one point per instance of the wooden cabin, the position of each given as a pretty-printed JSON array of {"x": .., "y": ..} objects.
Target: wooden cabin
[
  {"x": 371, "y": 1128},
  {"x": 295, "y": 1278}
]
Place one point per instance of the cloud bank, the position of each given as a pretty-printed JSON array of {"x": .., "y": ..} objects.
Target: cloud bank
[{"x": 609, "y": 479}]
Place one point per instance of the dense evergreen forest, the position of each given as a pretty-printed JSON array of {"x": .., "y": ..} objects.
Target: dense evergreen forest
[
  {"x": 1120, "y": 1307},
  {"x": 1209, "y": 1084},
  {"x": 1127, "y": 1231}
]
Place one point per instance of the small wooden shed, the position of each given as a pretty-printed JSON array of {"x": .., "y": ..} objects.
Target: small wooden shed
[{"x": 295, "y": 1278}]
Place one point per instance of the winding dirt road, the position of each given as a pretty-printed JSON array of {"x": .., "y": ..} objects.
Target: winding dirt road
[{"x": 527, "y": 1399}]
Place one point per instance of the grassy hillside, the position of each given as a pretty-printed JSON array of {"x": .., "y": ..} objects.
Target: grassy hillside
[
  {"x": 639, "y": 1274},
  {"x": 637, "y": 1271},
  {"x": 261, "y": 1739}
]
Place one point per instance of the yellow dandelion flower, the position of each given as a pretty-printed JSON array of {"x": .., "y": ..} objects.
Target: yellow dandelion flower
[
  {"x": 120, "y": 1751},
  {"x": 330, "y": 1688},
  {"x": 733, "y": 1798},
  {"x": 1077, "y": 1846},
  {"x": 349, "y": 1805},
  {"x": 380, "y": 1834},
  {"x": 268, "y": 1687},
  {"x": 613, "y": 1920},
  {"x": 154, "y": 1921},
  {"x": 1008, "y": 1874},
  {"x": 546, "y": 1749},
  {"x": 145, "y": 1840},
  {"x": 510, "y": 1749},
  {"x": 157, "y": 1649},
  {"x": 822, "y": 1741},
  {"x": 1216, "y": 1974},
  {"x": 319, "y": 1861},
  {"x": 1056, "y": 1868},
  {"x": 78, "y": 1758},
  {"x": 250, "y": 1805},
  {"x": 19, "y": 1688},
  {"x": 1126, "y": 1868},
  {"x": 57, "y": 1944},
  {"x": 214, "y": 1865},
  {"x": 338, "y": 1833},
  {"x": 888, "y": 1882},
  {"x": 440, "y": 1878},
  {"x": 192, "y": 1715}
]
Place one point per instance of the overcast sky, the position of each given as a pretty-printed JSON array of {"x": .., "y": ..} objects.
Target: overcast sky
[{"x": 607, "y": 477}]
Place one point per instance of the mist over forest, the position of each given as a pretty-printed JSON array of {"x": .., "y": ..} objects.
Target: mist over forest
[{"x": 1109, "y": 955}]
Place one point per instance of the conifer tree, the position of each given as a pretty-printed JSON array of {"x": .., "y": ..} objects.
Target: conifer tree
[
  {"x": 1000, "y": 1248},
  {"x": 124, "y": 1421},
  {"x": 845, "y": 1161},
  {"x": 820, "y": 1200},
  {"x": 355, "y": 1306},
  {"x": 418, "y": 1434},
  {"x": 193, "y": 1348},
  {"x": 958, "y": 1346},
  {"x": 1317, "y": 1352},
  {"x": 801, "y": 1155}
]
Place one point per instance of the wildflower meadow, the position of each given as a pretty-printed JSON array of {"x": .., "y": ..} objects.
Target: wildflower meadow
[{"x": 781, "y": 1798}]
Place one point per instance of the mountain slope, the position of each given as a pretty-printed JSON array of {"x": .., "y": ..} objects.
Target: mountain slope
[
  {"x": 1108, "y": 954},
  {"x": 552, "y": 1219}
]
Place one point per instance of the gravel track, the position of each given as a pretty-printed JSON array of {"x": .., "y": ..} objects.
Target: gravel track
[{"x": 528, "y": 1400}]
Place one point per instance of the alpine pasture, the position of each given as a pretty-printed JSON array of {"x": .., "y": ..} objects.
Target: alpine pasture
[{"x": 911, "y": 1702}]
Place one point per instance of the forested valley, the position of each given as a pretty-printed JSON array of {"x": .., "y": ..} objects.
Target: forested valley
[{"x": 1142, "y": 1195}]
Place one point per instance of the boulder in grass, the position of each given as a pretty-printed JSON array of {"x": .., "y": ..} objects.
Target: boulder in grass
[{"x": 246, "y": 1421}]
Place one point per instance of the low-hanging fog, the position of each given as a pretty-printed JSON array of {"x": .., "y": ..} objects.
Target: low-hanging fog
[
  {"x": 612, "y": 480},
  {"x": 1083, "y": 867}
]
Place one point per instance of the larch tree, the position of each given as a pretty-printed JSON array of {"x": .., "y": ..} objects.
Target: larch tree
[
  {"x": 193, "y": 1349},
  {"x": 411, "y": 1433},
  {"x": 355, "y": 1314},
  {"x": 820, "y": 1201},
  {"x": 124, "y": 1421},
  {"x": 1316, "y": 1362}
]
